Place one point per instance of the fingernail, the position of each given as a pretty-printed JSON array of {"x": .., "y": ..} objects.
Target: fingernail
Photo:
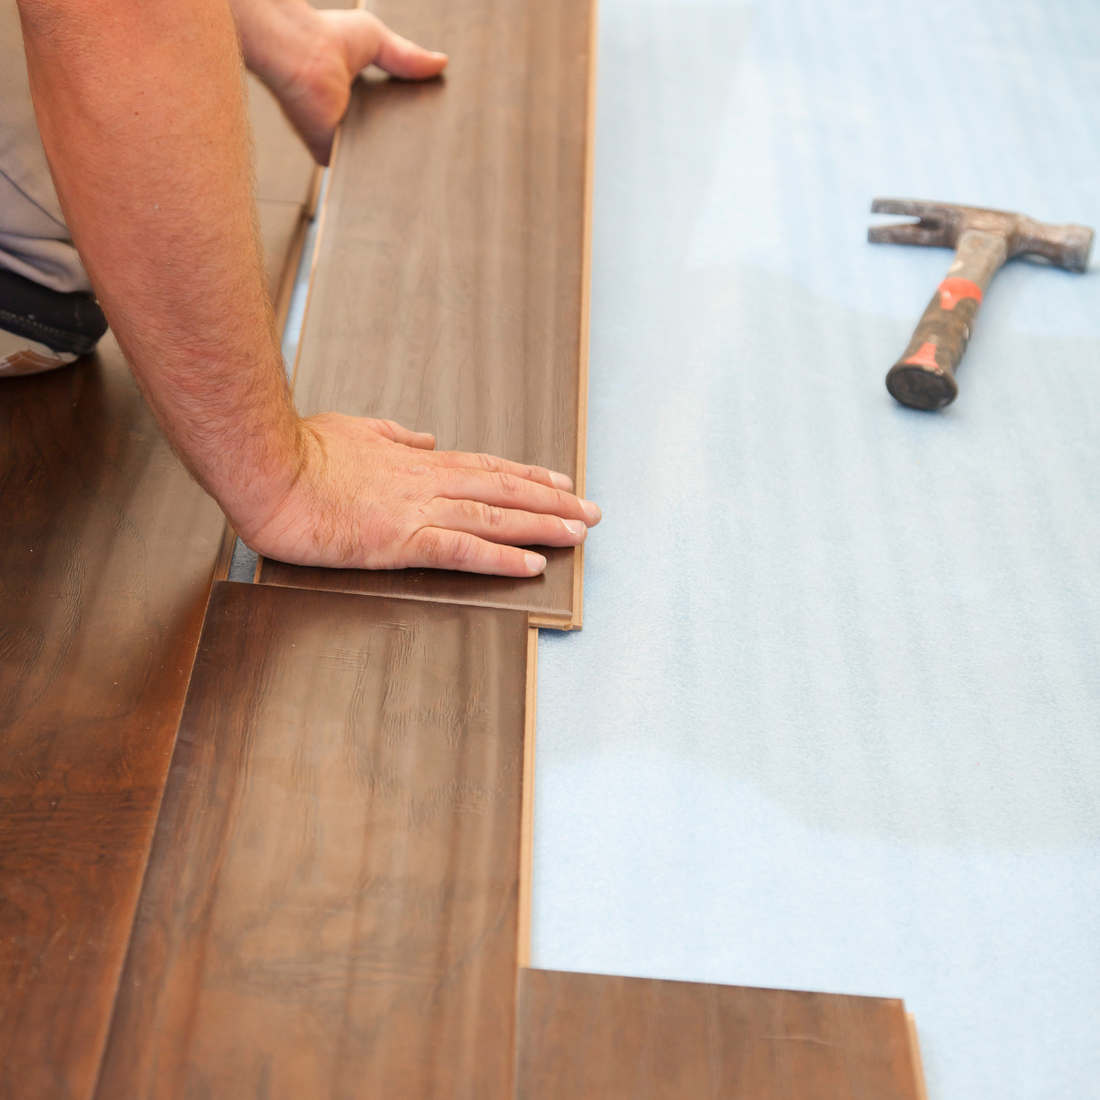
[
  {"x": 575, "y": 527},
  {"x": 561, "y": 481},
  {"x": 592, "y": 511},
  {"x": 535, "y": 562}
]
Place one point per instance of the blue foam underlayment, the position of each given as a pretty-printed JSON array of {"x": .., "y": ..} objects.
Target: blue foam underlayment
[{"x": 833, "y": 721}]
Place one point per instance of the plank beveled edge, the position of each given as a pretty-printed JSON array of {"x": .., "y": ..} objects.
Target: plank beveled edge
[{"x": 270, "y": 571}]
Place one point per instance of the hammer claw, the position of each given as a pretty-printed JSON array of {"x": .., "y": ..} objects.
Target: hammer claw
[
  {"x": 928, "y": 234},
  {"x": 912, "y": 208}
]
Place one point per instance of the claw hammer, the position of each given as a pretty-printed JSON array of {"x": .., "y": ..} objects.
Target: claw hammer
[{"x": 924, "y": 377}]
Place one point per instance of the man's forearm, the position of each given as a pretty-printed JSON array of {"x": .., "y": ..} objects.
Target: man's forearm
[{"x": 142, "y": 114}]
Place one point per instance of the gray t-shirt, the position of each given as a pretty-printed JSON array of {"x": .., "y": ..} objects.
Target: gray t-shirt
[{"x": 34, "y": 239}]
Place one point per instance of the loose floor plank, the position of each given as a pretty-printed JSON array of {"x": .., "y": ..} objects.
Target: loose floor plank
[
  {"x": 331, "y": 904},
  {"x": 450, "y": 286},
  {"x": 594, "y": 1037},
  {"x": 106, "y": 552}
]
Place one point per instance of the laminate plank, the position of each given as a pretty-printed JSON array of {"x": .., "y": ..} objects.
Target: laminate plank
[
  {"x": 284, "y": 168},
  {"x": 594, "y": 1037},
  {"x": 331, "y": 904},
  {"x": 106, "y": 552},
  {"x": 286, "y": 184},
  {"x": 280, "y": 225},
  {"x": 450, "y": 284},
  {"x": 107, "y": 548}
]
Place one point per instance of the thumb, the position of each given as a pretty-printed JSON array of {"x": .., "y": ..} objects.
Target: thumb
[
  {"x": 405, "y": 59},
  {"x": 423, "y": 441},
  {"x": 365, "y": 39}
]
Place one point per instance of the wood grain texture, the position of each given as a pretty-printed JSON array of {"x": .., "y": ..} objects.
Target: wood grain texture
[
  {"x": 107, "y": 548},
  {"x": 286, "y": 184},
  {"x": 284, "y": 168},
  {"x": 593, "y": 1037},
  {"x": 282, "y": 226},
  {"x": 331, "y": 906},
  {"x": 106, "y": 552},
  {"x": 449, "y": 287}
]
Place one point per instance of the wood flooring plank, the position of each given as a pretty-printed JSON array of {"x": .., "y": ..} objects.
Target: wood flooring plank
[
  {"x": 286, "y": 185},
  {"x": 594, "y": 1037},
  {"x": 284, "y": 168},
  {"x": 107, "y": 548},
  {"x": 918, "y": 1062},
  {"x": 331, "y": 906},
  {"x": 281, "y": 224},
  {"x": 106, "y": 553},
  {"x": 449, "y": 289}
]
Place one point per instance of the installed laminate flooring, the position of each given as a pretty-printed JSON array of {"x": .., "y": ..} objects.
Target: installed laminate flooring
[
  {"x": 107, "y": 548},
  {"x": 286, "y": 185},
  {"x": 332, "y": 902},
  {"x": 595, "y": 1037},
  {"x": 106, "y": 552},
  {"x": 450, "y": 285}
]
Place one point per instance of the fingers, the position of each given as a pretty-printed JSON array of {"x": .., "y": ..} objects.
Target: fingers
[
  {"x": 483, "y": 479},
  {"x": 405, "y": 59},
  {"x": 505, "y": 525},
  {"x": 435, "y": 548},
  {"x": 364, "y": 39},
  {"x": 507, "y": 490},
  {"x": 423, "y": 441},
  {"x": 462, "y": 459}
]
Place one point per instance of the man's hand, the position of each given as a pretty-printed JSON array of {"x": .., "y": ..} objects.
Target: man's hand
[
  {"x": 309, "y": 58},
  {"x": 371, "y": 494}
]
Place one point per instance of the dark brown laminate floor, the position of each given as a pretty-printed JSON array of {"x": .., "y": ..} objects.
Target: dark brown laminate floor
[
  {"x": 593, "y": 1037},
  {"x": 331, "y": 908},
  {"x": 285, "y": 185},
  {"x": 450, "y": 285},
  {"x": 107, "y": 548},
  {"x": 284, "y": 168},
  {"x": 106, "y": 552}
]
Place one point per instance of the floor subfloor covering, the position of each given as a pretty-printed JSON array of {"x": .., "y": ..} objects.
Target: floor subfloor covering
[{"x": 833, "y": 719}]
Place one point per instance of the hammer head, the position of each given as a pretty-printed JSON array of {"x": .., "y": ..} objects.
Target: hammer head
[{"x": 941, "y": 225}]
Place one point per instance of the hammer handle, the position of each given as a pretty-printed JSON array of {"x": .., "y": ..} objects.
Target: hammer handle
[{"x": 924, "y": 377}]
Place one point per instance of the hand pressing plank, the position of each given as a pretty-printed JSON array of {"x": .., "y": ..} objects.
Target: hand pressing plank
[
  {"x": 142, "y": 114},
  {"x": 309, "y": 58},
  {"x": 371, "y": 494}
]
